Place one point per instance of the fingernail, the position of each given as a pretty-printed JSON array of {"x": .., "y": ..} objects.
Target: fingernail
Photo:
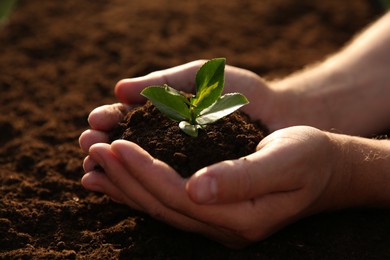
[{"x": 206, "y": 189}]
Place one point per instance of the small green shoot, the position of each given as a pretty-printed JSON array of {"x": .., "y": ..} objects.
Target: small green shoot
[{"x": 206, "y": 107}]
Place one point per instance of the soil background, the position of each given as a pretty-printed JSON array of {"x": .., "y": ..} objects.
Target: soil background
[{"x": 61, "y": 59}]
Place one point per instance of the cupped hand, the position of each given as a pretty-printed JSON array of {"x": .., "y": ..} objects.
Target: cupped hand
[
  {"x": 103, "y": 119},
  {"x": 237, "y": 202},
  {"x": 182, "y": 77},
  {"x": 234, "y": 202}
]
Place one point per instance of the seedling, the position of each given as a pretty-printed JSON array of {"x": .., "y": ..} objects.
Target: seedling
[{"x": 205, "y": 107}]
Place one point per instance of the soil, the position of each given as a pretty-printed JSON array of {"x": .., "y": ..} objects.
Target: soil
[
  {"x": 61, "y": 59},
  {"x": 229, "y": 138}
]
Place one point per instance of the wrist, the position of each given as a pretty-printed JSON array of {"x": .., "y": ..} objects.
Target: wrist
[{"x": 303, "y": 99}]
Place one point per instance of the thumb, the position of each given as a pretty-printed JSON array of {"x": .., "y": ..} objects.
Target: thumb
[
  {"x": 180, "y": 77},
  {"x": 238, "y": 180}
]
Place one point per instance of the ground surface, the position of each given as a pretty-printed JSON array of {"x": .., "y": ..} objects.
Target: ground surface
[{"x": 60, "y": 59}]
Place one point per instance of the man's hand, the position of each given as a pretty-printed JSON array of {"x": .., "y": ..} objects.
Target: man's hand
[{"x": 234, "y": 202}]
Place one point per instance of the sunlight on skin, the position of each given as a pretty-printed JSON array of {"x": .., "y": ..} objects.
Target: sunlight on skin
[
  {"x": 163, "y": 194},
  {"x": 295, "y": 172}
]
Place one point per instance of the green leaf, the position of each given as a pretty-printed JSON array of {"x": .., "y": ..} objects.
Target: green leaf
[
  {"x": 169, "y": 101},
  {"x": 206, "y": 107},
  {"x": 209, "y": 84},
  {"x": 224, "y": 106},
  {"x": 191, "y": 130}
]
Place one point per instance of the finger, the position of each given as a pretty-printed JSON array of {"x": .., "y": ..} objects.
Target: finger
[
  {"x": 242, "y": 80},
  {"x": 181, "y": 77},
  {"x": 105, "y": 118},
  {"x": 120, "y": 178},
  {"x": 90, "y": 137},
  {"x": 98, "y": 182},
  {"x": 239, "y": 220},
  {"x": 101, "y": 155},
  {"x": 166, "y": 186},
  {"x": 250, "y": 177},
  {"x": 141, "y": 197},
  {"x": 89, "y": 164},
  {"x": 251, "y": 86}
]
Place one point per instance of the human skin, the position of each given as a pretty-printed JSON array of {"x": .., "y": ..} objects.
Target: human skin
[{"x": 296, "y": 171}]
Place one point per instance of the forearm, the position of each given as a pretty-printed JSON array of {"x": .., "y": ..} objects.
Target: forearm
[
  {"x": 362, "y": 173},
  {"x": 348, "y": 92}
]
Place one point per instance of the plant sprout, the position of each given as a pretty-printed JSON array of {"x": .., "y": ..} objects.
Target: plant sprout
[{"x": 206, "y": 107}]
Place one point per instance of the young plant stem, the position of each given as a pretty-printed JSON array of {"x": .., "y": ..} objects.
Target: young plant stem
[{"x": 192, "y": 115}]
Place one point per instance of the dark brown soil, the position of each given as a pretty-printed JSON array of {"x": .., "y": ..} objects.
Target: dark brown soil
[
  {"x": 229, "y": 138},
  {"x": 60, "y": 59}
]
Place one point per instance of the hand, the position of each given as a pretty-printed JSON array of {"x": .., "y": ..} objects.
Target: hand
[
  {"x": 103, "y": 119},
  {"x": 131, "y": 192},
  {"x": 277, "y": 104},
  {"x": 182, "y": 78},
  {"x": 295, "y": 172},
  {"x": 234, "y": 202},
  {"x": 276, "y": 107}
]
